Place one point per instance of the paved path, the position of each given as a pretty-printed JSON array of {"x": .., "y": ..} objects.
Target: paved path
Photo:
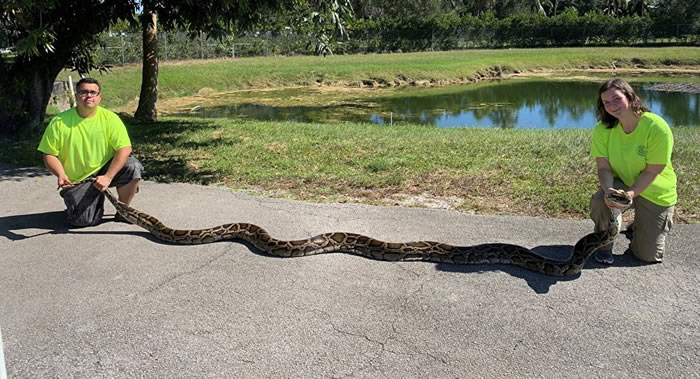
[{"x": 109, "y": 301}]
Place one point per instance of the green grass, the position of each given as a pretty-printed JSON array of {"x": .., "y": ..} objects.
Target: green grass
[
  {"x": 177, "y": 79},
  {"x": 544, "y": 173},
  {"x": 519, "y": 172}
]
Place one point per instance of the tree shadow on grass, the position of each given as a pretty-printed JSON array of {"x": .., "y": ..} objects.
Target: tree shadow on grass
[
  {"x": 155, "y": 145},
  {"x": 21, "y": 151},
  {"x": 11, "y": 172}
]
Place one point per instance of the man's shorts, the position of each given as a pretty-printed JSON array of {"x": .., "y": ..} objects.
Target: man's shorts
[{"x": 85, "y": 204}]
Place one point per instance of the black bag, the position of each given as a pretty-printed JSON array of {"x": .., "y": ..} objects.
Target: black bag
[{"x": 84, "y": 205}]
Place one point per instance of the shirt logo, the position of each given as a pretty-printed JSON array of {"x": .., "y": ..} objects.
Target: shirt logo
[{"x": 642, "y": 150}]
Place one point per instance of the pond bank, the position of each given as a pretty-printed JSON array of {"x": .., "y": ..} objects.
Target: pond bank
[
  {"x": 371, "y": 71},
  {"x": 169, "y": 105},
  {"x": 555, "y": 101}
]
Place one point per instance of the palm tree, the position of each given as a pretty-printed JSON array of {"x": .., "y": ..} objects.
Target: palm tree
[
  {"x": 616, "y": 7},
  {"x": 639, "y": 7}
]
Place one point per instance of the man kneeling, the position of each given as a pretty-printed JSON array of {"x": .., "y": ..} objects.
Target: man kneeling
[{"x": 90, "y": 142}]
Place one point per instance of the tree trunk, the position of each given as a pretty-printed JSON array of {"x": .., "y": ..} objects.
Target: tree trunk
[
  {"x": 539, "y": 7},
  {"x": 25, "y": 93},
  {"x": 149, "y": 78}
]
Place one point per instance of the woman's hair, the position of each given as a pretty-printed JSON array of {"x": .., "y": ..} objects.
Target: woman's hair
[{"x": 635, "y": 102}]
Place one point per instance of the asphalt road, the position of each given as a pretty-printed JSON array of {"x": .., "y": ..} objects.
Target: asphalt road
[{"x": 110, "y": 301}]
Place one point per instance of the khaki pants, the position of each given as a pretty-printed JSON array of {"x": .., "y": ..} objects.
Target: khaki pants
[{"x": 652, "y": 223}]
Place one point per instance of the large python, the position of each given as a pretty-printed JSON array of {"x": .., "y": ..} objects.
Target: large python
[{"x": 372, "y": 248}]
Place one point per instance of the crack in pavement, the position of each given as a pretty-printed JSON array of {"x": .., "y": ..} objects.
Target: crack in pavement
[{"x": 176, "y": 276}]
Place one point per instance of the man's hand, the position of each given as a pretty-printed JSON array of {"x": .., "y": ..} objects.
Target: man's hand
[
  {"x": 64, "y": 182},
  {"x": 102, "y": 182}
]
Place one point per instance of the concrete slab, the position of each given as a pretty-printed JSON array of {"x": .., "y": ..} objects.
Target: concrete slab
[{"x": 110, "y": 301}]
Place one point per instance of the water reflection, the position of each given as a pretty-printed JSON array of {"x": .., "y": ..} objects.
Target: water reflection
[{"x": 508, "y": 104}]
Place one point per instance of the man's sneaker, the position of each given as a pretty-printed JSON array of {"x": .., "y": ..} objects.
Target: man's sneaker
[{"x": 604, "y": 257}]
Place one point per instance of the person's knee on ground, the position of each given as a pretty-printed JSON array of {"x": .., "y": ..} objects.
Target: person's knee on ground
[
  {"x": 651, "y": 254},
  {"x": 649, "y": 245},
  {"x": 651, "y": 226}
]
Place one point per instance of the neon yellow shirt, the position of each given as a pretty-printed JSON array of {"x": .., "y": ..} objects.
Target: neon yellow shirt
[
  {"x": 650, "y": 143},
  {"x": 84, "y": 145}
]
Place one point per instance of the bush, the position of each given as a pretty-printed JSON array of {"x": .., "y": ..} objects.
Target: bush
[{"x": 444, "y": 32}]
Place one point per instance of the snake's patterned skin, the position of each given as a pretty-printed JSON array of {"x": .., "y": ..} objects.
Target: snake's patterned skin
[{"x": 372, "y": 248}]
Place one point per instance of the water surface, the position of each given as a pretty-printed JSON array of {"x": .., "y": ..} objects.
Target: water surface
[{"x": 506, "y": 104}]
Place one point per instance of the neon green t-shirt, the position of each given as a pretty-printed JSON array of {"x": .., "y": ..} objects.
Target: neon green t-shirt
[
  {"x": 650, "y": 143},
  {"x": 84, "y": 145}
]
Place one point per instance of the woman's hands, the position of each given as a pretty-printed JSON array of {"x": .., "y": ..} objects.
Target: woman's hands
[{"x": 618, "y": 199}]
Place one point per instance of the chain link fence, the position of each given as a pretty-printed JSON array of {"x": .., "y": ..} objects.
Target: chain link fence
[
  {"x": 126, "y": 47},
  {"x": 120, "y": 48}
]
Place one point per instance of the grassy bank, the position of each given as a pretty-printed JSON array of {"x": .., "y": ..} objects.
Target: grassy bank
[
  {"x": 488, "y": 171},
  {"x": 177, "y": 79}
]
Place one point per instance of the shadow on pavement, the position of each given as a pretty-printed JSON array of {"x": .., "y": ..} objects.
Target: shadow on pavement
[
  {"x": 52, "y": 222},
  {"x": 16, "y": 173},
  {"x": 541, "y": 283}
]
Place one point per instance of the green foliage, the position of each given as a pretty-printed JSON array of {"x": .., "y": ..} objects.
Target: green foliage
[
  {"x": 36, "y": 42},
  {"x": 51, "y": 34},
  {"x": 525, "y": 29},
  {"x": 47, "y": 29}
]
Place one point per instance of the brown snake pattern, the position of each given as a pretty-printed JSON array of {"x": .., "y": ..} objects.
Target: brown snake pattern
[{"x": 373, "y": 248}]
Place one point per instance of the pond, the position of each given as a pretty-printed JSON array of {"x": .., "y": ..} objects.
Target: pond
[{"x": 531, "y": 103}]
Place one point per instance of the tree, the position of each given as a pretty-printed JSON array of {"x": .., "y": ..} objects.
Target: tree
[
  {"x": 639, "y": 7},
  {"x": 48, "y": 35},
  {"x": 540, "y": 8},
  {"x": 677, "y": 11},
  {"x": 219, "y": 17},
  {"x": 615, "y": 7},
  {"x": 52, "y": 34},
  {"x": 148, "y": 96}
]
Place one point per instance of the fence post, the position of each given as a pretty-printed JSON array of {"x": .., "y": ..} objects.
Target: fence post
[
  {"x": 201, "y": 44},
  {"x": 71, "y": 91},
  {"x": 121, "y": 38},
  {"x": 165, "y": 45}
]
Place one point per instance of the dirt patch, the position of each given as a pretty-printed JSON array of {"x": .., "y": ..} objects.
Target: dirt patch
[
  {"x": 206, "y": 91},
  {"x": 275, "y": 146},
  {"x": 676, "y": 87},
  {"x": 424, "y": 200},
  {"x": 557, "y": 74}
]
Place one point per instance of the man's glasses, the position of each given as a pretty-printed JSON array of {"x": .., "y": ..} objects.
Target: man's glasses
[{"x": 85, "y": 93}]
